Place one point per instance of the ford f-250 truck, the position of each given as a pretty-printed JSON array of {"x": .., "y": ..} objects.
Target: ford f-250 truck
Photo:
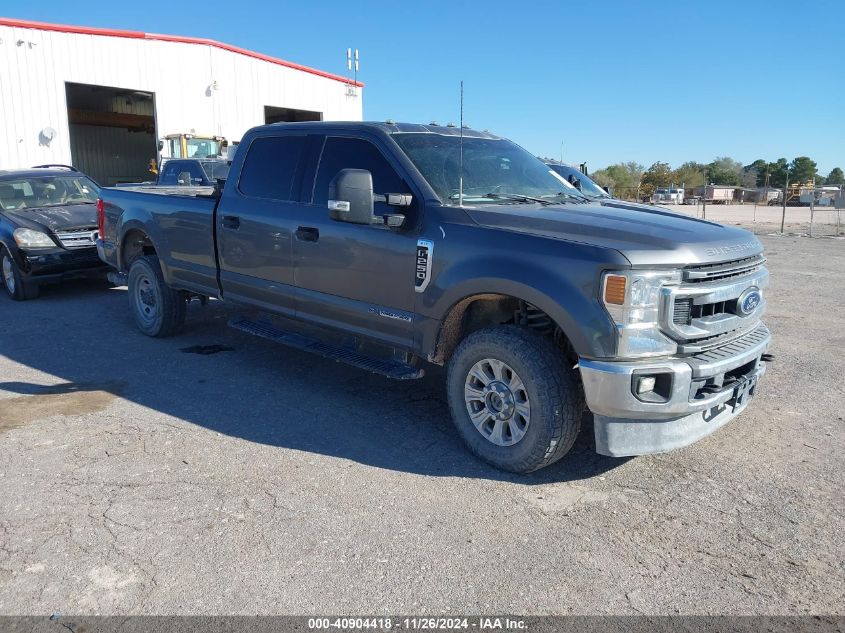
[{"x": 389, "y": 246}]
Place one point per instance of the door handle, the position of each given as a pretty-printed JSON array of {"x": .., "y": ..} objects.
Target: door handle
[
  {"x": 231, "y": 222},
  {"x": 307, "y": 234}
]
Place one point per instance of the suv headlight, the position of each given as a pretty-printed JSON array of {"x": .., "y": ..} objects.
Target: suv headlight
[
  {"x": 29, "y": 238},
  {"x": 633, "y": 300}
]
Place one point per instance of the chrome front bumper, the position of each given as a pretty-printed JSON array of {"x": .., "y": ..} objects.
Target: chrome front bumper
[{"x": 626, "y": 425}]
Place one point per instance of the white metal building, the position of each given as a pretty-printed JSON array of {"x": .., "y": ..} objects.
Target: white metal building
[{"x": 100, "y": 99}]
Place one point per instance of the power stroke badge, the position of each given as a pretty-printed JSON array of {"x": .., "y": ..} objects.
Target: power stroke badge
[{"x": 422, "y": 273}]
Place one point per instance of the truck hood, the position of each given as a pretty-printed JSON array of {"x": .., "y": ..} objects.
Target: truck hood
[
  {"x": 60, "y": 218},
  {"x": 624, "y": 204},
  {"x": 645, "y": 235}
]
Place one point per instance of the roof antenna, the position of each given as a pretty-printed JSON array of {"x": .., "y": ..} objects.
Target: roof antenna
[{"x": 461, "y": 148}]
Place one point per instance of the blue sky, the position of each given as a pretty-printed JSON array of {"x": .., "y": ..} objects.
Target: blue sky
[{"x": 619, "y": 80}]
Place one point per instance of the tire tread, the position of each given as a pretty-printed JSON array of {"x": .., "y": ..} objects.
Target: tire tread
[{"x": 561, "y": 391}]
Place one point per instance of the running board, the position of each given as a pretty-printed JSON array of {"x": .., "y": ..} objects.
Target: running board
[{"x": 386, "y": 367}]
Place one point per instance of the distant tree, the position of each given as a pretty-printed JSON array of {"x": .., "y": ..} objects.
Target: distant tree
[
  {"x": 803, "y": 170},
  {"x": 758, "y": 168},
  {"x": 601, "y": 176},
  {"x": 689, "y": 175},
  {"x": 835, "y": 177},
  {"x": 724, "y": 171},
  {"x": 777, "y": 172},
  {"x": 657, "y": 176},
  {"x": 624, "y": 178}
]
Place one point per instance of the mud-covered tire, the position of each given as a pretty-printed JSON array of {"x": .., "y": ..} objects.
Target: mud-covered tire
[
  {"x": 158, "y": 309},
  {"x": 551, "y": 389},
  {"x": 17, "y": 287}
]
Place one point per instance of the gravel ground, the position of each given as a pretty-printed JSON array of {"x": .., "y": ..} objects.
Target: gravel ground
[{"x": 136, "y": 478}]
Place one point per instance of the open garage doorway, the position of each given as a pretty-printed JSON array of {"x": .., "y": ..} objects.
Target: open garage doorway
[
  {"x": 272, "y": 114},
  {"x": 112, "y": 132}
]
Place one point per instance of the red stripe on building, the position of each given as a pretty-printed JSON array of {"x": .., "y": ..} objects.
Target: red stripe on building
[{"x": 139, "y": 35}]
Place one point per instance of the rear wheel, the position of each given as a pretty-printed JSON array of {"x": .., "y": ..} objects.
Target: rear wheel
[
  {"x": 17, "y": 286},
  {"x": 513, "y": 400},
  {"x": 158, "y": 309}
]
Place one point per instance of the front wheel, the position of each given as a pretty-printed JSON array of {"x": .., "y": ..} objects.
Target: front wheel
[
  {"x": 16, "y": 286},
  {"x": 158, "y": 309},
  {"x": 514, "y": 401}
]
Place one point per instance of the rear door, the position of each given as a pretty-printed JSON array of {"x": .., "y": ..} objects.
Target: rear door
[
  {"x": 255, "y": 223},
  {"x": 355, "y": 277}
]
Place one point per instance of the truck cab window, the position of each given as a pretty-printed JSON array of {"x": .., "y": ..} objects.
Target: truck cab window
[
  {"x": 270, "y": 167},
  {"x": 352, "y": 153}
]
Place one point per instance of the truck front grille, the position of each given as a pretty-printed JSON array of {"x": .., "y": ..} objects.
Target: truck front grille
[
  {"x": 77, "y": 238},
  {"x": 686, "y": 311},
  {"x": 703, "y": 308},
  {"x": 725, "y": 270}
]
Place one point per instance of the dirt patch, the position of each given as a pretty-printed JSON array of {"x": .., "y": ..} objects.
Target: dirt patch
[{"x": 15, "y": 412}]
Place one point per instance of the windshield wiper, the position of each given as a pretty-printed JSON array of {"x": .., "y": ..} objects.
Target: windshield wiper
[
  {"x": 580, "y": 197},
  {"x": 516, "y": 197}
]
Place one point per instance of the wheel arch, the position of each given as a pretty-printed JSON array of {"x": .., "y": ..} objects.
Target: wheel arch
[{"x": 484, "y": 309}]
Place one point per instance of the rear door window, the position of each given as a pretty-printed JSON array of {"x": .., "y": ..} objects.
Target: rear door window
[{"x": 270, "y": 168}]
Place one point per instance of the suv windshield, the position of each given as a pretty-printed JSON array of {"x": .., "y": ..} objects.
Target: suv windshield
[
  {"x": 495, "y": 171},
  {"x": 215, "y": 169},
  {"x": 35, "y": 192},
  {"x": 584, "y": 183}
]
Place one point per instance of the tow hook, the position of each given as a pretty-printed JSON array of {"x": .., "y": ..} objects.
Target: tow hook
[{"x": 768, "y": 358}]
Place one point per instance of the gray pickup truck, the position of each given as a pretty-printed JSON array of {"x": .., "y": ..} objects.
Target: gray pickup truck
[{"x": 389, "y": 246}]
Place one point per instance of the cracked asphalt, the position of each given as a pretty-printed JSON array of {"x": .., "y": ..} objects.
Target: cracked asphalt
[{"x": 136, "y": 478}]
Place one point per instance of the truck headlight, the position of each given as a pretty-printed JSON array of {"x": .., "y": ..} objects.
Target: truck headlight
[
  {"x": 633, "y": 300},
  {"x": 29, "y": 238}
]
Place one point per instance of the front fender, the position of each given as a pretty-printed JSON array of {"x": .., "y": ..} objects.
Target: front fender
[{"x": 560, "y": 278}]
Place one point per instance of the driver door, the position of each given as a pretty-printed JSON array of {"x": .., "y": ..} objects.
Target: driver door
[{"x": 353, "y": 277}]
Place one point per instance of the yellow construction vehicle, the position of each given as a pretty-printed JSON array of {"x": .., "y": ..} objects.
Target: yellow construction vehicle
[{"x": 192, "y": 146}]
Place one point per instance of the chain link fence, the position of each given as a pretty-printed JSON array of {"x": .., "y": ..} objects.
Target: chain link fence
[{"x": 760, "y": 218}]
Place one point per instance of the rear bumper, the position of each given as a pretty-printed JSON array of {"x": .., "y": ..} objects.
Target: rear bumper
[{"x": 696, "y": 403}]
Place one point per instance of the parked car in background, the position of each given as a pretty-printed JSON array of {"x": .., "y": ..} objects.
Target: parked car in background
[
  {"x": 594, "y": 191},
  {"x": 198, "y": 172},
  {"x": 673, "y": 195},
  {"x": 581, "y": 181},
  {"x": 388, "y": 245},
  {"x": 48, "y": 228}
]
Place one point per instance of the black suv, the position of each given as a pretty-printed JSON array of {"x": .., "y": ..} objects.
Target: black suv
[{"x": 48, "y": 228}]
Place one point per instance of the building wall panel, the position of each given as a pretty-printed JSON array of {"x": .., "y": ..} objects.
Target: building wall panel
[{"x": 36, "y": 63}]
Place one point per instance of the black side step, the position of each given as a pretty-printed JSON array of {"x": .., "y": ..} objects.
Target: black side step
[{"x": 385, "y": 367}]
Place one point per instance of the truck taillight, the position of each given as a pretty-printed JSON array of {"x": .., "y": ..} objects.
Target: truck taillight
[{"x": 101, "y": 217}]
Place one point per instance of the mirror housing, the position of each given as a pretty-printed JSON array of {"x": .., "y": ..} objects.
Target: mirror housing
[{"x": 351, "y": 196}]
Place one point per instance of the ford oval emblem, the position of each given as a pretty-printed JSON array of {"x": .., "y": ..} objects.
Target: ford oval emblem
[{"x": 749, "y": 301}]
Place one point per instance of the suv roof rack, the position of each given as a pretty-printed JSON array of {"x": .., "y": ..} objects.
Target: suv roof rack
[{"x": 70, "y": 167}]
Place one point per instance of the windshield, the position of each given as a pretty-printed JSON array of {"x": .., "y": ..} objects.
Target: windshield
[
  {"x": 195, "y": 148},
  {"x": 203, "y": 148},
  {"x": 33, "y": 192},
  {"x": 584, "y": 183},
  {"x": 215, "y": 169},
  {"x": 495, "y": 171}
]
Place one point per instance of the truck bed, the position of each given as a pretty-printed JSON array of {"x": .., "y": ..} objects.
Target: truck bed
[{"x": 179, "y": 222}]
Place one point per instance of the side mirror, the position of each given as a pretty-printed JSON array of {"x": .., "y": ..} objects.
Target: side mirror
[
  {"x": 351, "y": 196},
  {"x": 160, "y": 145}
]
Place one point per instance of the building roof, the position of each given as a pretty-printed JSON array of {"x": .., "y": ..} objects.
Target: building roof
[{"x": 139, "y": 35}]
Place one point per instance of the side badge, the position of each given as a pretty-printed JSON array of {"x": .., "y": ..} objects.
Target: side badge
[{"x": 422, "y": 274}]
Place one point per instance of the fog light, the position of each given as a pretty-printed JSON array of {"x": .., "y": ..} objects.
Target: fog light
[{"x": 646, "y": 384}]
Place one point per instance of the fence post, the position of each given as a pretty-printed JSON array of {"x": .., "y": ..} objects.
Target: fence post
[{"x": 812, "y": 209}]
